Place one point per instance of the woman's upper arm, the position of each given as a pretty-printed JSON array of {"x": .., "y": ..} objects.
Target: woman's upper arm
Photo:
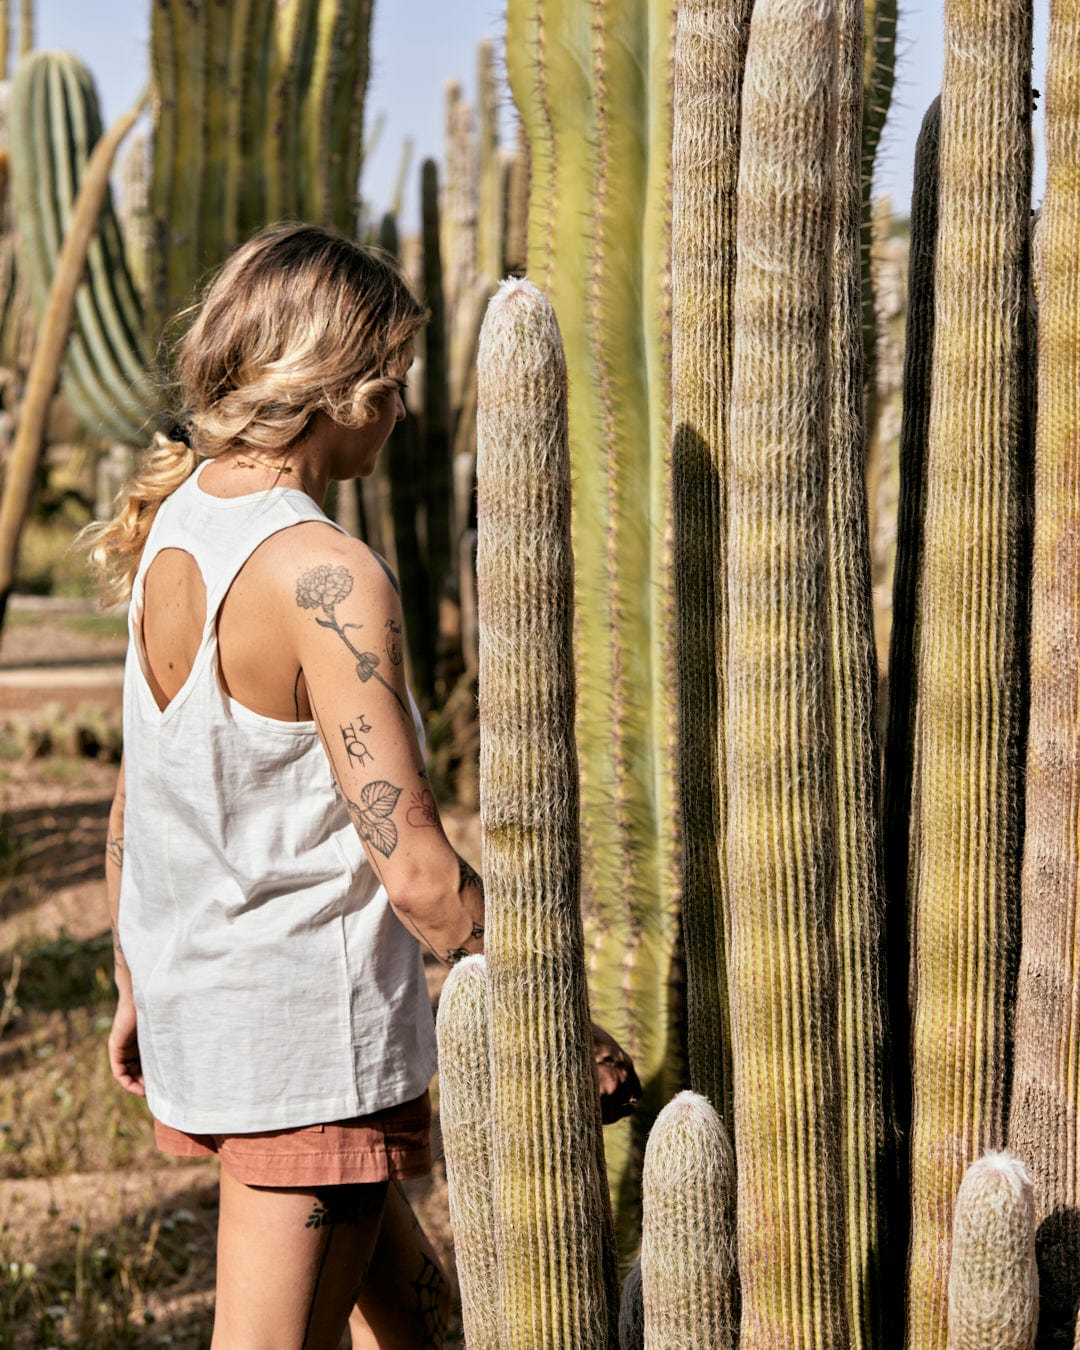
[{"x": 349, "y": 639}]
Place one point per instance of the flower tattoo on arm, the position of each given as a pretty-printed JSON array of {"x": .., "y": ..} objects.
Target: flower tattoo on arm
[{"x": 324, "y": 588}]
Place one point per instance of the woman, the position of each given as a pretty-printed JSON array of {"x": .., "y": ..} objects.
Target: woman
[{"x": 276, "y": 860}]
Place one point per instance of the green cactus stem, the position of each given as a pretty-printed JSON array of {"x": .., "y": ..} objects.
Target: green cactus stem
[
  {"x": 970, "y": 659},
  {"x": 710, "y": 50},
  {"x": 859, "y": 905},
  {"x": 878, "y": 70},
  {"x": 53, "y": 333},
  {"x": 490, "y": 222},
  {"x": 1044, "y": 1118},
  {"x": 782, "y": 960},
  {"x": 5, "y": 38},
  {"x": 688, "y": 1229},
  {"x": 465, "y": 1118},
  {"x": 553, "y": 1228},
  {"x": 26, "y": 27},
  {"x": 993, "y": 1280},
  {"x": 55, "y": 124},
  {"x": 900, "y": 726}
]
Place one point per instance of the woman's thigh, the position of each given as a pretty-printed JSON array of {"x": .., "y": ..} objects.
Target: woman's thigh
[
  {"x": 404, "y": 1302},
  {"x": 291, "y": 1262}
]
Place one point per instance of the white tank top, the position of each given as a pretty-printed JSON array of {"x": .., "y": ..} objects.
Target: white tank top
[{"x": 273, "y": 983}]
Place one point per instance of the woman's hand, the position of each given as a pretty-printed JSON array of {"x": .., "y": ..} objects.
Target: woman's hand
[
  {"x": 620, "y": 1087},
  {"x": 124, "y": 1058}
]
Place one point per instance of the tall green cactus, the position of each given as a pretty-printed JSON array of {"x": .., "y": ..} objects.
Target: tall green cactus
[
  {"x": 778, "y": 721},
  {"x": 553, "y": 1235},
  {"x": 688, "y": 1229},
  {"x": 859, "y": 885},
  {"x": 465, "y": 1120},
  {"x": 993, "y": 1280},
  {"x": 592, "y": 83},
  {"x": 710, "y": 48},
  {"x": 1044, "y": 1118},
  {"x": 258, "y": 116},
  {"x": 55, "y": 124},
  {"x": 969, "y": 713}
]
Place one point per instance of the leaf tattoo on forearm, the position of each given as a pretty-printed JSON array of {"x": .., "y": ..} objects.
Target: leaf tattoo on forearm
[
  {"x": 324, "y": 588},
  {"x": 371, "y": 816},
  {"x": 114, "y": 849}
]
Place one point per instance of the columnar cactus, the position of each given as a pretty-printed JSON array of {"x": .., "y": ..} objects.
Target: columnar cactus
[
  {"x": 710, "y": 49},
  {"x": 55, "y": 124},
  {"x": 592, "y": 83},
  {"x": 969, "y": 713},
  {"x": 859, "y": 903},
  {"x": 993, "y": 1281},
  {"x": 879, "y": 66},
  {"x": 553, "y": 1230},
  {"x": 688, "y": 1230},
  {"x": 258, "y": 115},
  {"x": 465, "y": 1118},
  {"x": 911, "y": 506},
  {"x": 778, "y": 729},
  {"x": 1044, "y": 1119}
]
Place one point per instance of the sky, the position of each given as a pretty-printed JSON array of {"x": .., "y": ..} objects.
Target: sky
[{"x": 418, "y": 45}]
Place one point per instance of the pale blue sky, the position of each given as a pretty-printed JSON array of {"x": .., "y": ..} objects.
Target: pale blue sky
[{"x": 420, "y": 44}]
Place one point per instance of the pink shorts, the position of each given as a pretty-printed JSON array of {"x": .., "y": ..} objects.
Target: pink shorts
[{"x": 389, "y": 1145}]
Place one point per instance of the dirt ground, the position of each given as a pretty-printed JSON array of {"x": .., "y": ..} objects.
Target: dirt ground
[{"x": 149, "y": 1222}]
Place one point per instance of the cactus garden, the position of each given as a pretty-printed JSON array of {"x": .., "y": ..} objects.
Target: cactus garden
[{"x": 736, "y": 519}]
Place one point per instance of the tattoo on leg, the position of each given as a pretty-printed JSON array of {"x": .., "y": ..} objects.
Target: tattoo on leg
[
  {"x": 354, "y": 746},
  {"x": 324, "y": 588},
  {"x": 114, "y": 849},
  {"x": 371, "y": 815},
  {"x": 348, "y": 1203},
  {"x": 428, "y": 1289}
]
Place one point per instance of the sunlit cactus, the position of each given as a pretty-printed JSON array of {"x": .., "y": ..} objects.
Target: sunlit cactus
[
  {"x": 465, "y": 1119},
  {"x": 553, "y": 1234},
  {"x": 967, "y": 808},
  {"x": 688, "y": 1230},
  {"x": 993, "y": 1280},
  {"x": 859, "y": 886},
  {"x": 1044, "y": 1118},
  {"x": 781, "y": 846},
  {"x": 710, "y": 49}
]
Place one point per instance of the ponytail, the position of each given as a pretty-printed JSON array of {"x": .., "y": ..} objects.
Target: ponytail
[{"x": 115, "y": 546}]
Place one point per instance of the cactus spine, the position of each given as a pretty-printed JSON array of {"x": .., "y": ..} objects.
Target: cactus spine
[
  {"x": 781, "y": 854},
  {"x": 993, "y": 1281},
  {"x": 859, "y": 902},
  {"x": 969, "y": 701},
  {"x": 1044, "y": 1119},
  {"x": 552, "y": 1221},
  {"x": 710, "y": 49},
  {"x": 55, "y": 124},
  {"x": 879, "y": 65},
  {"x": 688, "y": 1229},
  {"x": 465, "y": 1118}
]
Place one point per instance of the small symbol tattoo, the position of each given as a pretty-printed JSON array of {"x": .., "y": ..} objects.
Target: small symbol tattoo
[
  {"x": 393, "y": 642},
  {"x": 354, "y": 746}
]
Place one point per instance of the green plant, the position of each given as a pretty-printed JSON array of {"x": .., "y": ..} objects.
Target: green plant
[
  {"x": 993, "y": 1281},
  {"x": 465, "y": 1119},
  {"x": 688, "y": 1230},
  {"x": 970, "y": 624},
  {"x": 553, "y": 1235}
]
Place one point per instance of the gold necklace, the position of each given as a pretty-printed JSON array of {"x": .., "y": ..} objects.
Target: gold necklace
[{"x": 253, "y": 462}]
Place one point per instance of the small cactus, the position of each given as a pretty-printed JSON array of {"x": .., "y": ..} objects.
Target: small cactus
[
  {"x": 993, "y": 1280},
  {"x": 688, "y": 1229},
  {"x": 465, "y": 1118}
]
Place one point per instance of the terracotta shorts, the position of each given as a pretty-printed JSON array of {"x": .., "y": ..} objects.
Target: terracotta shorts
[{"x": 389, "y": 1145}]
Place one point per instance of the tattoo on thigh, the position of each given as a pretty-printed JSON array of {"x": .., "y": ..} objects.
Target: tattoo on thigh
[
  {"x": 428, "y": 1288},
  {"x": 346, "y": 1204}
]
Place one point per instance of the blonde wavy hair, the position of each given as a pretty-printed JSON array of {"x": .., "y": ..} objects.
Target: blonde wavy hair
[{"x": 298, "y": 320}]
